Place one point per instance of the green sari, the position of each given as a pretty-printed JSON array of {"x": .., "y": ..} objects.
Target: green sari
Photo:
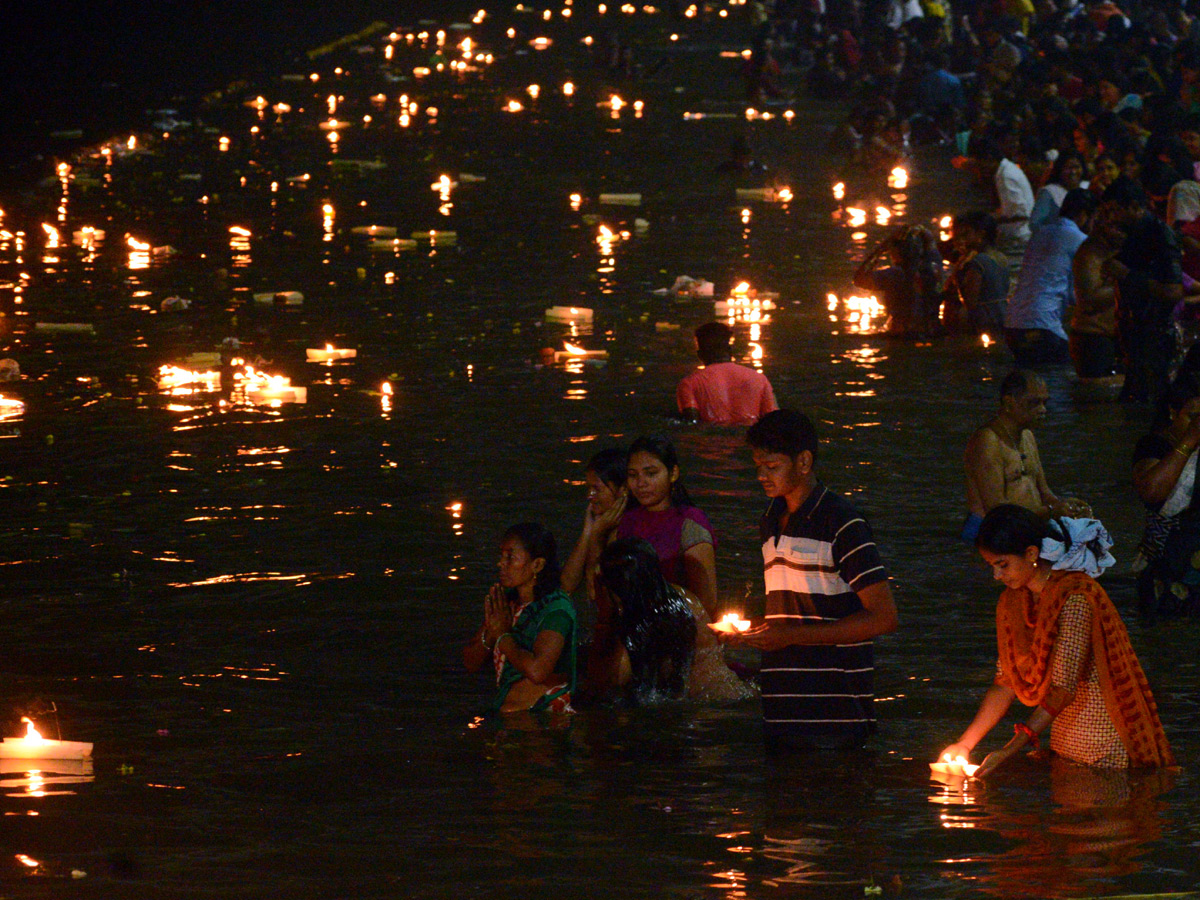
[{"x": 553, "y": 612}]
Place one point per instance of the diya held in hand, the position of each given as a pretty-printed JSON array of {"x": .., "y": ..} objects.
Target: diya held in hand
[{"x": 730, "y": 623}]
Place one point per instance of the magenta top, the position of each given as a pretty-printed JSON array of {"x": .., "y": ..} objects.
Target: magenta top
[{"x": 671, "y": 532}]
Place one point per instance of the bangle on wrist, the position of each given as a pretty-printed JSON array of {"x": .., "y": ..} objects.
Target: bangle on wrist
[{"x": 1030, "y": 734}]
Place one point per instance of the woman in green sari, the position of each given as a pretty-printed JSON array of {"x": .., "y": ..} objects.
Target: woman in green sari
[{"x": 528, "y": 629}]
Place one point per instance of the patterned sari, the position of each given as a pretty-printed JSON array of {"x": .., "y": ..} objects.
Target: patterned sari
[{"x": 1027, "y": 630}]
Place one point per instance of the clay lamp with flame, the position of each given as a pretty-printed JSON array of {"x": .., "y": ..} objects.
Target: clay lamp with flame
[
  {"x": 575, "y": 353},
  {"x": 957, "y": 766},
  {"x": 34, "y": 746},
  {"x": 730, "y": 623}
]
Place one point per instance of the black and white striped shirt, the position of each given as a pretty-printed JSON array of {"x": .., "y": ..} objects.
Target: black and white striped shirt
[{"x": 813, "y": 570}]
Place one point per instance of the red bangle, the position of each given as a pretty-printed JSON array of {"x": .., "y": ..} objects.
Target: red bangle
[{"x": 1022, "y": 728}]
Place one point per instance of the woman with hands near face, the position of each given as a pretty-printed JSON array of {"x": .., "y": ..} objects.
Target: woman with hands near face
[{"x": 528, "y": 629}]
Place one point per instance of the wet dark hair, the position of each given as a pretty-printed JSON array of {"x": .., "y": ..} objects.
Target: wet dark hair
[
  {"x": 1077, "y": 202},
  {"x": 784, "y": 431},
  {"x": 1124, "y": 191},
  {"x": 610, "y": 466},
  {"x": 1018, "y": 382},
  {"x": 979, "y": 220},
  {"x": 661, "y": 448},
  {"x": 539, "y": 544},
  {"x": 712, "y": 342},
  {"x": 655, "y": 623},
  {"x": 1011, "y": 530}
]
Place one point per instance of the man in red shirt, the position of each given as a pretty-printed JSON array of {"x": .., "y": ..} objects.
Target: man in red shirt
[{"x": 723, "y": 392}]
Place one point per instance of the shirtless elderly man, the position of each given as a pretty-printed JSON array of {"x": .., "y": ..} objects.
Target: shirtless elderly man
[{"x": 1002, "y": 459}]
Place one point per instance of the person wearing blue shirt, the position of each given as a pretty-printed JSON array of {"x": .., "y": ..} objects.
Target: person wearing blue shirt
[{"x": 1033, "y": 319}]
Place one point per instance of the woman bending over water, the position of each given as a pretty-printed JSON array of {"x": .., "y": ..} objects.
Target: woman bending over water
[
  {"x": 663, "y": 648},
  {"x": 679, "y": 532},
  {"x": 528, "y": 629},
  {"x": 1064, "y": 651}
]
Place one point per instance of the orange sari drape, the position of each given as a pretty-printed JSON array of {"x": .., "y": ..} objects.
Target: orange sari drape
[{"x": 1026, "y": 631}]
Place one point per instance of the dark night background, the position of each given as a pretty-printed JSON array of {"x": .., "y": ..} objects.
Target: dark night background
[{"x": 99, "y": 66}]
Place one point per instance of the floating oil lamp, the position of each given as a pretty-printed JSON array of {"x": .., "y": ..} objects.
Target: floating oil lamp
[
  {"x": 436, "y": 238},
  {"x": 621, "y": 199},
  {"x": 533, "y": 90},
  {"x": 574, "y": 353},
  {"x": 385, "y": 397},
  {"x": 329, "y": 354},
  {"x": 540, "y": 43},
  {"x": 444, "y": 185},
  {"x": 839, "y": 191},
  {"x": 898, "y": 178},
  {"x": 280, "y": 108},
  {"x": 64, "y": 328},
  {"x": 883, "y": 215},
  {"x": 390, "y": 245},
  {"x": 569, "y": 315},
  {"x": 240, "y": 231},
  {"x": 270, "y": 390},
  {"x": 985, "y": 339},
  {"x": 179, "y": 381},
  {"x": 568, "y": 89},
  {"x": 767, "y": 194},
  {"x": 576, "y": 201},
  {"x": 513, "y": 106},
  {"x": 730, "y": 623},
  {"x": 34, "y": 746},
  {"x": 259, "y": 103},
  {"x": 957, "y": 766},
  {"x": 10, "y": 409},
  {"x": 375, "y": 231},
  {"x": 279, "y": 298}
]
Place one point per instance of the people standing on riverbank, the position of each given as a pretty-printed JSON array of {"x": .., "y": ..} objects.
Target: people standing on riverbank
[
  {"x": 827, "y": 597},
  {"x": 1002, "y": 461}
]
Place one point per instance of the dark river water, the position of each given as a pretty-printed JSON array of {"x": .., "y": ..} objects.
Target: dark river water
[{"x": 255, "y": 612}]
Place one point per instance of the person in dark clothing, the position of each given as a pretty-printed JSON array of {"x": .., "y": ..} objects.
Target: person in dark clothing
[{"x": 1149, "y": 277}]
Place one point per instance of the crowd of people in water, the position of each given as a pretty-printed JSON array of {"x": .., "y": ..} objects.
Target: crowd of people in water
[
  {"x": 1080, "y": 117},
  {"x": 632, "y": 613},
  {"x": 1083, "y": 121}
]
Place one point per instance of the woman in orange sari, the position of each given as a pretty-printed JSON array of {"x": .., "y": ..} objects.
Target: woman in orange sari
[{"x": 1064, "y": 651}]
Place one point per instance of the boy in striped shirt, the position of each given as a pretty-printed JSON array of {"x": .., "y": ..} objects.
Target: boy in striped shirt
[{"x": 827, "y": 597}]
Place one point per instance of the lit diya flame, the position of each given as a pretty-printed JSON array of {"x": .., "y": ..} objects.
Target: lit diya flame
[
  {"x": 10, "y": 408},
  {"x": 514, "y": 106},
  {"x": 239, "y": 231},
  {"x": 568, "y": 89},
  {"x": 134, "y": 244},
  {"x": 898, "y": 178},
  {"x": 945, "y": 222},
  {"x": 615, "y": 103},
  {"x": 730, "y": 623},
  {"x": 784, "y": 195},
  {"x": 986, "y": 340},
  {"x": 839, "y": 191},
  {"x": 956, "y": 766}
]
